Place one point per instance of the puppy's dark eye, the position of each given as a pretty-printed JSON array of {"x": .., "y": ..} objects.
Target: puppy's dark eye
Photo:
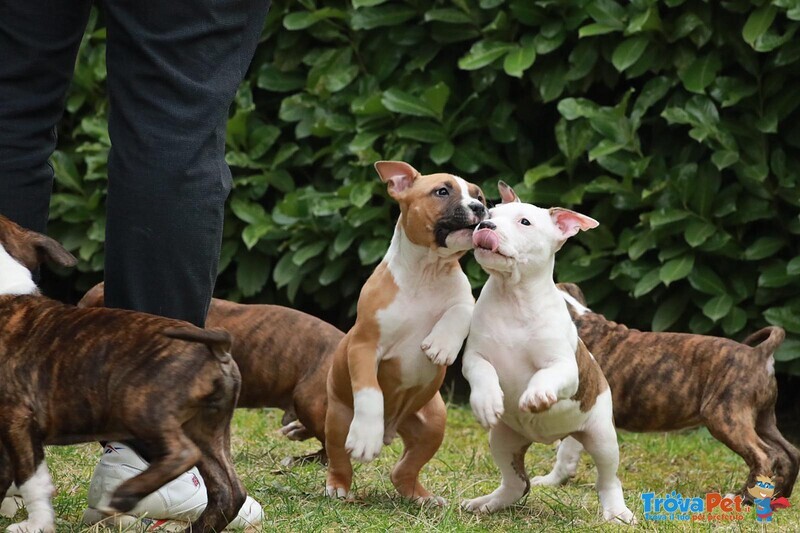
[
  {"x": 442, "y": 192},
  {"x": 480, "y": 198},
  {"x": 525, "y": 222}
]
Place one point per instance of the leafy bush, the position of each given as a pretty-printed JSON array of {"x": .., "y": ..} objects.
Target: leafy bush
[{"x": 672, "y": 122}]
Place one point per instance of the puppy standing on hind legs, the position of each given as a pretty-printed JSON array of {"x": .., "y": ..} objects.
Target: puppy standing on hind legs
[
  {"x": 532, "y": 378},
  {"x": 413, "y": 316}
]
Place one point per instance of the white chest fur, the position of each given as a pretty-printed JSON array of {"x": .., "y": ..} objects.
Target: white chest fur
[
  {"x": 428, "y": 288},
  {"x": 410, "y": 318},
  {"x": 15, "y": 279},
  {"x": 520, "y": 336}
]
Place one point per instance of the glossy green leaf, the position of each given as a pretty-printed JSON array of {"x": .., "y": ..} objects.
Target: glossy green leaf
[
  {"x": 629, "y": 51},
  {"x": 717, "y": 307},
  {"x": 676, "y": 269},
  {"x": 483, "y": 53}
]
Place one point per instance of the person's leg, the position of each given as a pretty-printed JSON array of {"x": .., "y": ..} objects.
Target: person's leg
[
  {"x": 39, "y": 41},
  {"x": 173, "y": 70}
]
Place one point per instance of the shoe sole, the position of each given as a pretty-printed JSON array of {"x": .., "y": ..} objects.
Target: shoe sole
[{"x": 93, "y": 517}]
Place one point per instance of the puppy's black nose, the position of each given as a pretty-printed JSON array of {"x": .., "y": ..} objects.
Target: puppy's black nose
[
  {"x": 478, "y": 208},
  {"x": 486, "y": 225}
]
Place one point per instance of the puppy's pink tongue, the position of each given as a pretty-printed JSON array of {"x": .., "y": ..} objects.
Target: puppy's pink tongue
[{"x": 486, "y": 239}]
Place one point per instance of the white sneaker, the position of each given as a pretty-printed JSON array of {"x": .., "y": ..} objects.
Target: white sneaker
[
  {"x": 171, "y": 507},
  {"x": 11, "y": 503}
]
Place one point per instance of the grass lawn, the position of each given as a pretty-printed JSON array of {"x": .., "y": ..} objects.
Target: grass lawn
[{"x": 690, "y": 463}]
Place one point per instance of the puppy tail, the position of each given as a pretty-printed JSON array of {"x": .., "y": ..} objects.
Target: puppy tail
[
  {"x": 218, "y": 340},
  {"x": 766, "y": 340}
]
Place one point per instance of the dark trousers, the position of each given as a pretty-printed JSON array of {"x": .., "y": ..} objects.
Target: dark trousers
[{"x": 173, "y": 70}]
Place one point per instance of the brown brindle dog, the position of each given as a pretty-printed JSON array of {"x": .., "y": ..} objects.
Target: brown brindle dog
[
  {"x": 669, "y": 381},
  {"x": 283, "y": 355},
  {"x": 413, "y": 316},
  {"x": 70, "y": 375}
]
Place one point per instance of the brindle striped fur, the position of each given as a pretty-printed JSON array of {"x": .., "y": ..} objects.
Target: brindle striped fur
[
  {"x": 70, "y": 375},
  {"x": 669, "y": 381},
  {"x": 284, "y": 356}
]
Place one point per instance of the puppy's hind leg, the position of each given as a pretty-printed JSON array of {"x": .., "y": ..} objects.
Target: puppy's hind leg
[
  {"x": 786, "y": 456},
  {"x": 508, "y": 450},
  {"x": 173, "y": 454},
  {"x": 736, "y": 430},
  {"x": 567, "y": 459},
  {"x": 226, "y": 493},
  {"x": 600, "y": 441},
  {"x": 340, "y": 470},
  {"x": 29, "y": 470},
  {"x": 422, "y": 434}
]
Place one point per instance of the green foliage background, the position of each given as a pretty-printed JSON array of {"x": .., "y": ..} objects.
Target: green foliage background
[{"x": 674, "y": 123}]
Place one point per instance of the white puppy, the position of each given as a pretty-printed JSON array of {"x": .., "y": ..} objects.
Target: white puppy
[{"x": 532, "y": 378}]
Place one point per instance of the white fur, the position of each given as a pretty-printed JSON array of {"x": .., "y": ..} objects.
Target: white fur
[
  {"x": 423, "y": 328},
  {"x": 15, "y": 279},
  {"x": 521, "y": 352},
  {"x": 579, "y": 308},
  {"x": 365, "y": 438},
  {"x": 36, "y": 493}
]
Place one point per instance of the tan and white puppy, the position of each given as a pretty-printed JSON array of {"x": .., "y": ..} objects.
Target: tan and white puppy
[
  {"x": 532, "y": 378},
  {"x": 413, "y": 316}
]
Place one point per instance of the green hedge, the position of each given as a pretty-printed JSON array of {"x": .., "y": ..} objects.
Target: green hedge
[{"x": 674, "y": 123}]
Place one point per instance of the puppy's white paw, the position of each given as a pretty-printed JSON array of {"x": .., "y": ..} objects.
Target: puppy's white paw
[
  {"x": 441, "y": 349},
  {"x": 487, "y": 406},
  {"x": 485, "y": 504},
  {"x": 339, "y": 493},
  {"x": 537, "y": 400},
  {"x": 31, "y": 527},
  {"x": 620, "y": 516},
  {"x": 364, "y": 440},
  {"x": 546, "y": 481}
]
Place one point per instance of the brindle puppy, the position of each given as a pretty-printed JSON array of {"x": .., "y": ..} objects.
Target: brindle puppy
[
  {"x": 669, "y": 381},
  {"x": 283, "y": 355},
  {"x": 70, "y": 375}
]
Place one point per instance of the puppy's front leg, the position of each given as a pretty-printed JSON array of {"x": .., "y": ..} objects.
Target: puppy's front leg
[
  {"x": 558, "y": 381},
  {"x": 486, "y": 396},
  {"x": 447, "y": 336},
  {"x": 365, "y": 438}
]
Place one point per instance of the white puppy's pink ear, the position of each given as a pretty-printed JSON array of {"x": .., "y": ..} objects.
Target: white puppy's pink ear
[
  {"x": 398, "y": 175},
  {"x": 569, "y": 222},
  {"x": 507, "y": 194}
]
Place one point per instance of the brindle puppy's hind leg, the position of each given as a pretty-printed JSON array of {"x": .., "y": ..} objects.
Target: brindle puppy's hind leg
[
  {"x": 422, "y": 434},
  {"x": 174, "y": 454},
  {"x": 787, "y": 458},
  {"x": 226, "y": 493},
  {"x": 736, "y": 430}
]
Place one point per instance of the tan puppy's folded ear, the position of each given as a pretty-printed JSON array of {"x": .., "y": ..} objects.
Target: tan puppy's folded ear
[
  {"x": 398, "y": 175},
  {"x": 47, "y": 248},
  {"x": 570, "y": 223},
  {"x": 507, "y": 194}
]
